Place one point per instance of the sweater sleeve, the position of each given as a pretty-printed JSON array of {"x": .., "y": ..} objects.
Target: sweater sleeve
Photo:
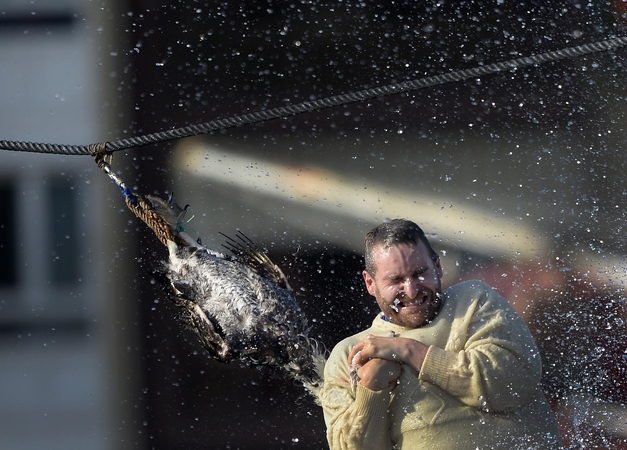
[
  {"x": 356, "y": 417},
  {"x": 491, "y": 361}
]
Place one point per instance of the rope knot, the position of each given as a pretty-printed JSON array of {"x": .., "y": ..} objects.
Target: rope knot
[{"x": 101, "y": 155}]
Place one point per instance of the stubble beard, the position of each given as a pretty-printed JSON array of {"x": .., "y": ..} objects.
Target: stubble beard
[{"x": 428, "y": 309}]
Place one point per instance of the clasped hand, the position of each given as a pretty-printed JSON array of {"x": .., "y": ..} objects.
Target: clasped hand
[{"x": 378, "y": 359}]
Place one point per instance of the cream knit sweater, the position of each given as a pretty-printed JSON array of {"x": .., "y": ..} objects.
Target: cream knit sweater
[{"x": 478, "y": 387}]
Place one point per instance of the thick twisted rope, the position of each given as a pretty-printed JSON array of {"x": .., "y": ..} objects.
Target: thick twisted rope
[{"x": 315, "y": 105}]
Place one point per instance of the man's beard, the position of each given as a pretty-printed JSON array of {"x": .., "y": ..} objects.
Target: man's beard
[{"x": 395, "y": 311}]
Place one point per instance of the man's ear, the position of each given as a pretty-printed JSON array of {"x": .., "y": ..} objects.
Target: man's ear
[
  {"x": 438, "y": 266},
  {"x": 369, "y": 282}
]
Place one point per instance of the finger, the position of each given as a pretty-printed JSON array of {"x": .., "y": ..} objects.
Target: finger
[
  {"x": 357, "y": 359},
  {"x": 356, "y": 349},
  {"x": 383, "y": 348}
]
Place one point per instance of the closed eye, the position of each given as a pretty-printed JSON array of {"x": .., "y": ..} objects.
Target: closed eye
[{"x": 399, "y": 279}]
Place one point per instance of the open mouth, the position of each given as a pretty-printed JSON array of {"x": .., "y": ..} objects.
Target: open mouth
[{"x": 418, "y": 301}]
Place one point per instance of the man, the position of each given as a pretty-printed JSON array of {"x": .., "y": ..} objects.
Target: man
[{"x": 436, "y": 370}]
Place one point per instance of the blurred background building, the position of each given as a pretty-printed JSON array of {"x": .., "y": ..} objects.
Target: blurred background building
[{"x": 517, "y": 177}]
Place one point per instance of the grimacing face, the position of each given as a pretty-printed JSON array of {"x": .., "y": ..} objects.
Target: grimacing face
[{"x": 406, "y": 283}]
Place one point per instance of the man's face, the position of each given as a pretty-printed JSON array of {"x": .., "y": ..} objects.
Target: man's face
[{"x": 406, "y": 283}]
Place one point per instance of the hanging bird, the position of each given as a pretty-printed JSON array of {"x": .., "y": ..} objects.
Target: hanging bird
[{"x": 240, "y": 305}]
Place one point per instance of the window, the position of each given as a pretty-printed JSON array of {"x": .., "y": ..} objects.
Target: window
[
  {"x": 63, "y": 244},
  {"x": 8, "y": 271}
]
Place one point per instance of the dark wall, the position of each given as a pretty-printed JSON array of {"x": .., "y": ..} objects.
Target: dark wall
[{"x": 197, "y": 61}]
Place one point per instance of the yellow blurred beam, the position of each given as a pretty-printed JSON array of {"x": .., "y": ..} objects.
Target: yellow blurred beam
[{"x": 366, "y": 203}]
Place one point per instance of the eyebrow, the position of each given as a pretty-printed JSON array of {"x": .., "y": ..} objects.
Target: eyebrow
[{"x": 417, "y": 271}]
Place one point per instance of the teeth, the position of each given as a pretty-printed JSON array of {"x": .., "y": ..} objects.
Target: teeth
[{"x": 417, "y": 302}]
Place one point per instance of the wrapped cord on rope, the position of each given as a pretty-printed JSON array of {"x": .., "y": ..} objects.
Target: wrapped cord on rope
[{"x": 107, "y": 148}]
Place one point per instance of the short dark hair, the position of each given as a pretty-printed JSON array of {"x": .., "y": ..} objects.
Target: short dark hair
[{"x": 394, "y": 232}]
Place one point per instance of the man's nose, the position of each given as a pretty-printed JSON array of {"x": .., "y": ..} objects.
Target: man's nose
[{"x": 411, "y": 287}]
